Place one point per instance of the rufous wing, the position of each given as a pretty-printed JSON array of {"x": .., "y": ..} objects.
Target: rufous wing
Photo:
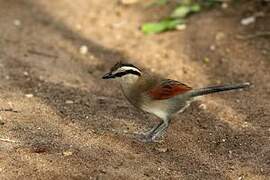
[{"x": 167, "y": 89}]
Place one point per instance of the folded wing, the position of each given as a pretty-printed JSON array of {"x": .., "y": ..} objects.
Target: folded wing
[{"x": 167, "y": 89}]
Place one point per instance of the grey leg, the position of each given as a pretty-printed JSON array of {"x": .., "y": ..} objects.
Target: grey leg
[
  {"x": 160, "y": 130},
  {"x": 147, "y": 136},
  {"x": 150, "y": 132}
]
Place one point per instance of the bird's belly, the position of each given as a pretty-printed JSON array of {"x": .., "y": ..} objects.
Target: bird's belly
[
  {"x": 157, "y": 109},
  {"x": 165, "y": 108}
]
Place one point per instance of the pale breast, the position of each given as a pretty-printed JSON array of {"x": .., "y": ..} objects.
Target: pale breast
[{"x": 157, "y": 108}]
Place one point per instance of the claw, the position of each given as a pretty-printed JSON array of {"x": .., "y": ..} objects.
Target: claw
[
  {"x": 147, "y": 138},
  {"x": 143, "y": 137}
]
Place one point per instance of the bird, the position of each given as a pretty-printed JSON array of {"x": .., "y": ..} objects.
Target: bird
[{"x": 159, "y": 96}]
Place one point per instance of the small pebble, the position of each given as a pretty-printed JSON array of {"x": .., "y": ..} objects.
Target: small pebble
[
  {"x": 220, "y": 36},
  {"x": 245, "y": 124},
  {"x": 223, "y": 140},
  {"x": 41, "y": 78},
  {"x": 29, "y": 95},
  {"x": 212, "y": 47},
  {"x": 181, "y": 27},
  {"x": 162, "y": 150},
  {"x": 125, "y": 131},
  {"x": 25, "y": 73},
  {"x": 17, "y": 22},
  {"x": 224, "y": 5},
  {"x": 69, "y": 102},
  {"x": 248, "y": 20},
  {"x": 67, "y": 153},
  {"x": 83, "y": 49}
]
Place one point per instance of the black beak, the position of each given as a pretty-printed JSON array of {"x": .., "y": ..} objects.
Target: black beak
[{"x": 107, "y": 76}]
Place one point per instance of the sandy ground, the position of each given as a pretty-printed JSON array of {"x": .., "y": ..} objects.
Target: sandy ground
[{"x": 77, "y": 126}]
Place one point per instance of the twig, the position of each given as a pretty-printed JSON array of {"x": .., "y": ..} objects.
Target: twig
[
  {"x": 8, "y": 140},
  {"x": 251, "y": 36},
  {"x": 9, "y": 110},
  {"x": 41, "y": 54},
  {"x": 11, "y": 41}
]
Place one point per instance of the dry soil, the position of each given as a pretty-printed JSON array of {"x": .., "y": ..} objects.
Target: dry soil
[{"x": 60, "y": 120}]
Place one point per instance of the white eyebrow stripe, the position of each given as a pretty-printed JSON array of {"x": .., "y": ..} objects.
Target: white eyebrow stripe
[
  {"x": 129, "y": 68},
  {"x": 126, "y": 68}
]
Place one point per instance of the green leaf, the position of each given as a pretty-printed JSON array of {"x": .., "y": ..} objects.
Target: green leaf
[
  {"x": 164, "y": 25},
  {"x": 195, "y": 8},
  {"x": 181, "y": 11},
  {"x": 184, "y": 10}
]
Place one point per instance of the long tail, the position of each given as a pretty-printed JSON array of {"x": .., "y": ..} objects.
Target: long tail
[{"x": 214, "y": 89}]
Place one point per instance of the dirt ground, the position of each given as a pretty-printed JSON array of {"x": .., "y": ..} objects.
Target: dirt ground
[{"x": 60, "y": 120}]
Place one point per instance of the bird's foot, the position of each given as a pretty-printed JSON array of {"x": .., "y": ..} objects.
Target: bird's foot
[
  {"x": 143, "y": 137},
  {"x": 146, "y": 138}
]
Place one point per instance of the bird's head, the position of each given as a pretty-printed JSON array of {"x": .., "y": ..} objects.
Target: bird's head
[{"x": 126, "y": 73}]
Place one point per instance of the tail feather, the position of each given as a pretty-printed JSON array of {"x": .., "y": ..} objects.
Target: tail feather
[{"x": 220, "y": 88}]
